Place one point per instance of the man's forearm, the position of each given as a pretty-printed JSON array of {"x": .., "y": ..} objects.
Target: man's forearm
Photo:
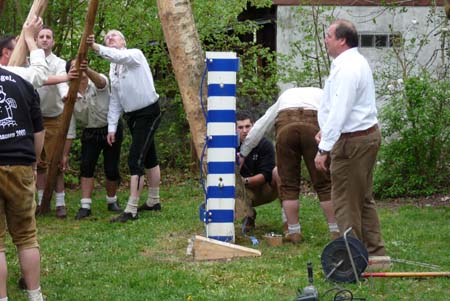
[
  {"x": 96, "y": 78},
  {"x": 38, "y": 145},
  {"x": 254, "y": 181}
]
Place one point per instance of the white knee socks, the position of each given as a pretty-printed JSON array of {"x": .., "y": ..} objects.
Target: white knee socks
[
  {"x": 153, "y": 196},
  {"x": 132, "y": 205}
]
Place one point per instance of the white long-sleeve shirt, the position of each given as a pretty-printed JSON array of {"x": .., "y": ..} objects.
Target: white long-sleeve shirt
[
  {"x": 52, "y": 104},
  {"x": 349, "y": 98},
  {"x": 307, "y": 98},
  {"x": 36, "y": 73},
  {"x": 91, "y": 109},
  {"x": 132, "y": 86}
]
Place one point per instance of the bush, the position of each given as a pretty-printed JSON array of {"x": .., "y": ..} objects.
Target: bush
[{"x": 415, "y": 156}]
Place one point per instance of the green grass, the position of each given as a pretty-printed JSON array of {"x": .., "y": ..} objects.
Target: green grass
[{"x": 145, "y": 259}]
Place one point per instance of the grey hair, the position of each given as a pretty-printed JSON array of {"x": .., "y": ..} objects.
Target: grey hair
[{"x": 116, "y": 32}]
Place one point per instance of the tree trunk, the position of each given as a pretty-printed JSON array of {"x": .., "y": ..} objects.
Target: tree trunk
[
  {"x": 2, "y": 6},
  {"x": 20, "y": 52},
  {"x": 188, "y": 62},
  {"x": 68, "y": 109}
]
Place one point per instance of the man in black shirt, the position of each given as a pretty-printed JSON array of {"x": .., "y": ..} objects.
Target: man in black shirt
[
  {"x": 258, "y": 174},
  {"x": 21, "y": 140}
]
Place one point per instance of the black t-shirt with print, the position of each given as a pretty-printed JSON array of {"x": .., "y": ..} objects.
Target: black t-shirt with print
[
  {"x": 20, "y": 118},
  {"x": 260, "y": 160}
]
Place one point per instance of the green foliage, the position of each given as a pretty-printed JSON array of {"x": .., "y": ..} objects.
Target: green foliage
[
  {"x": 307, "y": 46},
  {"x": 416, "y": 126},
  {"x": 219, "y": 30}
]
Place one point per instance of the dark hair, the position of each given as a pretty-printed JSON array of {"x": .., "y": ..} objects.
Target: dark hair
[
  {"x": 68, "y": 65},
  {"x": 48, "y": 28},
  {"x": 243, "y": 115},
  {"x": 6, "y": 42},
  {"x": 346, "y": 30}
]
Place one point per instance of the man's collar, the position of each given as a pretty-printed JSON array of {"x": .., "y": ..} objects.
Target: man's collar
[{"x": 344, "y": 55}]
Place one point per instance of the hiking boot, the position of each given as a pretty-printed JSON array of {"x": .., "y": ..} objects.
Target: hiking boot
[
  {"x": 83, "y": 213},
  {"x": 285, "y": 228},
  {"x": 248, "y": 223},
  {"x": 294, "y": 238},
  {"x": 156, "y": 207},
  {"x": 124, "y": 217},
  {"x": 114, "y": 207},
  {"x": 61, "y": 212}
]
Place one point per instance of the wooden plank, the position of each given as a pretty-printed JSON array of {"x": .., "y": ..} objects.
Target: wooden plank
[
  {"x": 379, "y": 263},
  {"x": 212, "y": 249},
  {"x": 19, "y": 55},
  {"x": 68, "y": 109}
]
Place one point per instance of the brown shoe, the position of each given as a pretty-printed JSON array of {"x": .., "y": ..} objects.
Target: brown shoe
[
  {"x": 335, "y": 235},
  {"x": 294, "y": 238},
  {"x": 61, "y": 212},
  {"x": 285, "y": 228}
]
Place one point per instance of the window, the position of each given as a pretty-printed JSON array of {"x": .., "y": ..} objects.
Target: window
[{"x": 379, "y": 40}]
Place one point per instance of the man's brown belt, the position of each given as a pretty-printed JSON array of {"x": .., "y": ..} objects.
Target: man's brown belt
[{"x": 360, "y": 133}]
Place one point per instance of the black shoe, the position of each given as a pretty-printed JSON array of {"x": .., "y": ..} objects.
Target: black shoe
[
  {"x": 124, "y": 217},
  {"x": 248, "y": 223},
  {"x": 156, "y": 207},
  {"x": 22, "y": 285},
  {"x": 83, "y": 213},
  {"x": 114, "y": 207}
]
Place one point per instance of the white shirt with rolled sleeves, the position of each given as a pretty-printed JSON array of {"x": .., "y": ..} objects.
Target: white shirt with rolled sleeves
[
  {"x": 308, "y": 98},
  {"x": 132, "y": 86},
  {"x": 91, "y": 109},
  {"x": 349, "y": 98},
  {"x": 52, "y": 104},
  {"x": 36, "y": 73}
]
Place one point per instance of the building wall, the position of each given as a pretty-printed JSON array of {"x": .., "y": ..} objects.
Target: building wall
[{"x": 372, "y": 20}]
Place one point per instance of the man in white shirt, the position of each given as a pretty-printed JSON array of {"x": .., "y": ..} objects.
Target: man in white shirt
[
  {"x": 133, "y": 92},
  {"x": 36, "y": 73},
  {"x": 294, "y": 117},
  {"x": 350, "y": 136},
  {"x": 90, "y": 112},
  {"x": 52, "y": 107}
]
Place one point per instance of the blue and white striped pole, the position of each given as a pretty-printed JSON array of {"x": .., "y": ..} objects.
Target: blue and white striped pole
[{"x": 221, "y": 142}]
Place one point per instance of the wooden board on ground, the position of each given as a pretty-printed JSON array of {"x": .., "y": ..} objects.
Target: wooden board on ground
[
  {"x": 211, "y": 249},
  {"x": 379, "y": 263}
]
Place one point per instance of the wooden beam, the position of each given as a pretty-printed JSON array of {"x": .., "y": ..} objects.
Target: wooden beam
[
  {"x": 19, "y": 55},
  {"x": 2, "y": 6},
  {"x": 379, "y": 263},
  {"x": 210, "y": 249},
  {"x": 188, "y": 62},
  {"x": 68, "y": 109}
]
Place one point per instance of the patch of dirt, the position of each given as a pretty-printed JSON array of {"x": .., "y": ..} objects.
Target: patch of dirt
[{"x": 438, "y": 200}]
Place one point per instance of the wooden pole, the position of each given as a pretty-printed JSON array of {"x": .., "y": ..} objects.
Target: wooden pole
[
  {"x": 188, "y": 62},
  {"x": 407, "y": 274},
  {"x": 68, "y": 109},
  {"x": 19, "y": 55},
  {"x": 2, "y": 6}
]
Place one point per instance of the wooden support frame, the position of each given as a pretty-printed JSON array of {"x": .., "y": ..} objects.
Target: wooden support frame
[{"x": 210, "y": 249}]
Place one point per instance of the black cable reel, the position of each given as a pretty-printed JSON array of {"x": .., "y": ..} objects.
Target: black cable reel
[{"x": 344, "y": 259}]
